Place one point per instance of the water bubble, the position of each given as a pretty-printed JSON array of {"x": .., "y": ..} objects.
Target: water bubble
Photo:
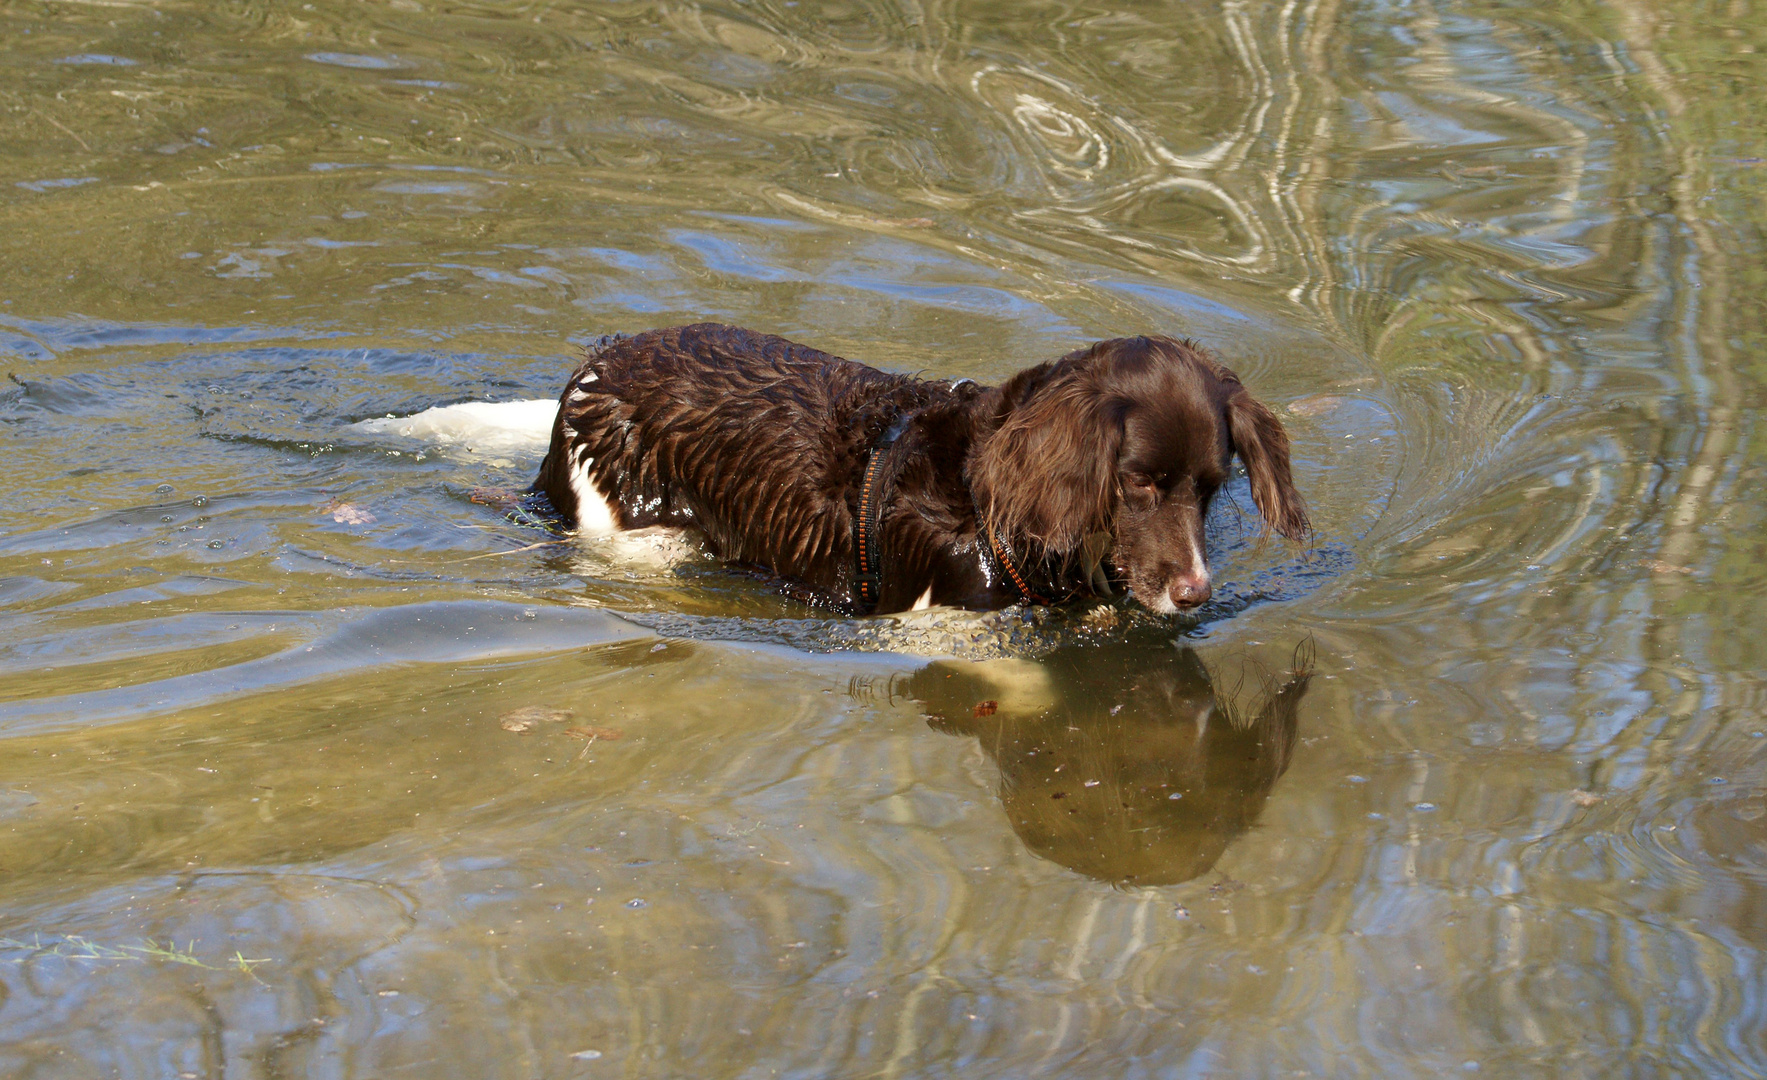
[
  {"x": 216, "y": 544},
  {"x": 586, "y": 1055},
  {"x": 164, "y": 489},
  {"x": 637, "y": 902},
  {"x": 1424, "y": 807},
  {"x": 200, "y": 500},
  {"x": 1176, "y": 795}
]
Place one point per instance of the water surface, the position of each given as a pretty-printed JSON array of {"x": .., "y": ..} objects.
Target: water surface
[{"x": 398, "y": 786}]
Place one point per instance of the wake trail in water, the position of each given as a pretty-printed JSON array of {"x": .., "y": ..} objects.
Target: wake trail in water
[{"x": 487, "y": 427}]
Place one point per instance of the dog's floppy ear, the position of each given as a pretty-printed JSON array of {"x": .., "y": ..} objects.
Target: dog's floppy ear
[
  {"x": 1047, "y": 476},
  {"x": 1261, "y": 443}
]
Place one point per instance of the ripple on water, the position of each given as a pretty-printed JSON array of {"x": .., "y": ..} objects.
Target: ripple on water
[{"x": 1495, "y": 267}]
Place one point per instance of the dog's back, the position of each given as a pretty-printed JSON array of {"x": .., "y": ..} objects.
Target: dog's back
[{"x": 748, "y": 437}]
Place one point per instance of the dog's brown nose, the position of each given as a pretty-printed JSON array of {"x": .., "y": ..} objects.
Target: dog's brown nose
[{"x": 1189, "y": 590}]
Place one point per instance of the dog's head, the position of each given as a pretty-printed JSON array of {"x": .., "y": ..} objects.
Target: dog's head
[{"x": 1128, "y": 441}]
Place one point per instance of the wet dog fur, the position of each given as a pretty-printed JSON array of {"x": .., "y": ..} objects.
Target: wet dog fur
[{"x": 1094, "y": 471}]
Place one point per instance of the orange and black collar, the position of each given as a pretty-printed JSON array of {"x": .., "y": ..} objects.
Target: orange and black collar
[
  {"x": 867, "y": 544},
  {"x": 1004, "y": 557},
  {"x": 866, "y": 557}
]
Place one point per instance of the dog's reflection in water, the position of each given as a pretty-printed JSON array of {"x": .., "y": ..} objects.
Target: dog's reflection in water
[{"x": 1125, "y": 766}]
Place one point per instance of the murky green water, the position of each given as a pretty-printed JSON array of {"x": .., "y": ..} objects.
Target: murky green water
[{"x": 1502, "y": 268}]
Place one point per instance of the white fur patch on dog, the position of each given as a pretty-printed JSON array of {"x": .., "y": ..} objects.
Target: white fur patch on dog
[
  {"x": 595, "y": 515},
  {"x": 925, "y": 601}
]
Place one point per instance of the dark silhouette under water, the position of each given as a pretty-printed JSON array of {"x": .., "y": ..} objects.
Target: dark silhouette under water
[{"x": 1125, "y": 765}]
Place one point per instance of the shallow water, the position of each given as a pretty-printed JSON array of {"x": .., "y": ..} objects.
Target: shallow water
[{"x": 399, "y": 787}]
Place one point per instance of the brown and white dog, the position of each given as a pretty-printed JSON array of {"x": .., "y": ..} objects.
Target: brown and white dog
[{"x": 869, "y": 491}]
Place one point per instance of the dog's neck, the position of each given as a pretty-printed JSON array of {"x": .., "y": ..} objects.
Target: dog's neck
[{"x": 1038, "y": 574}]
